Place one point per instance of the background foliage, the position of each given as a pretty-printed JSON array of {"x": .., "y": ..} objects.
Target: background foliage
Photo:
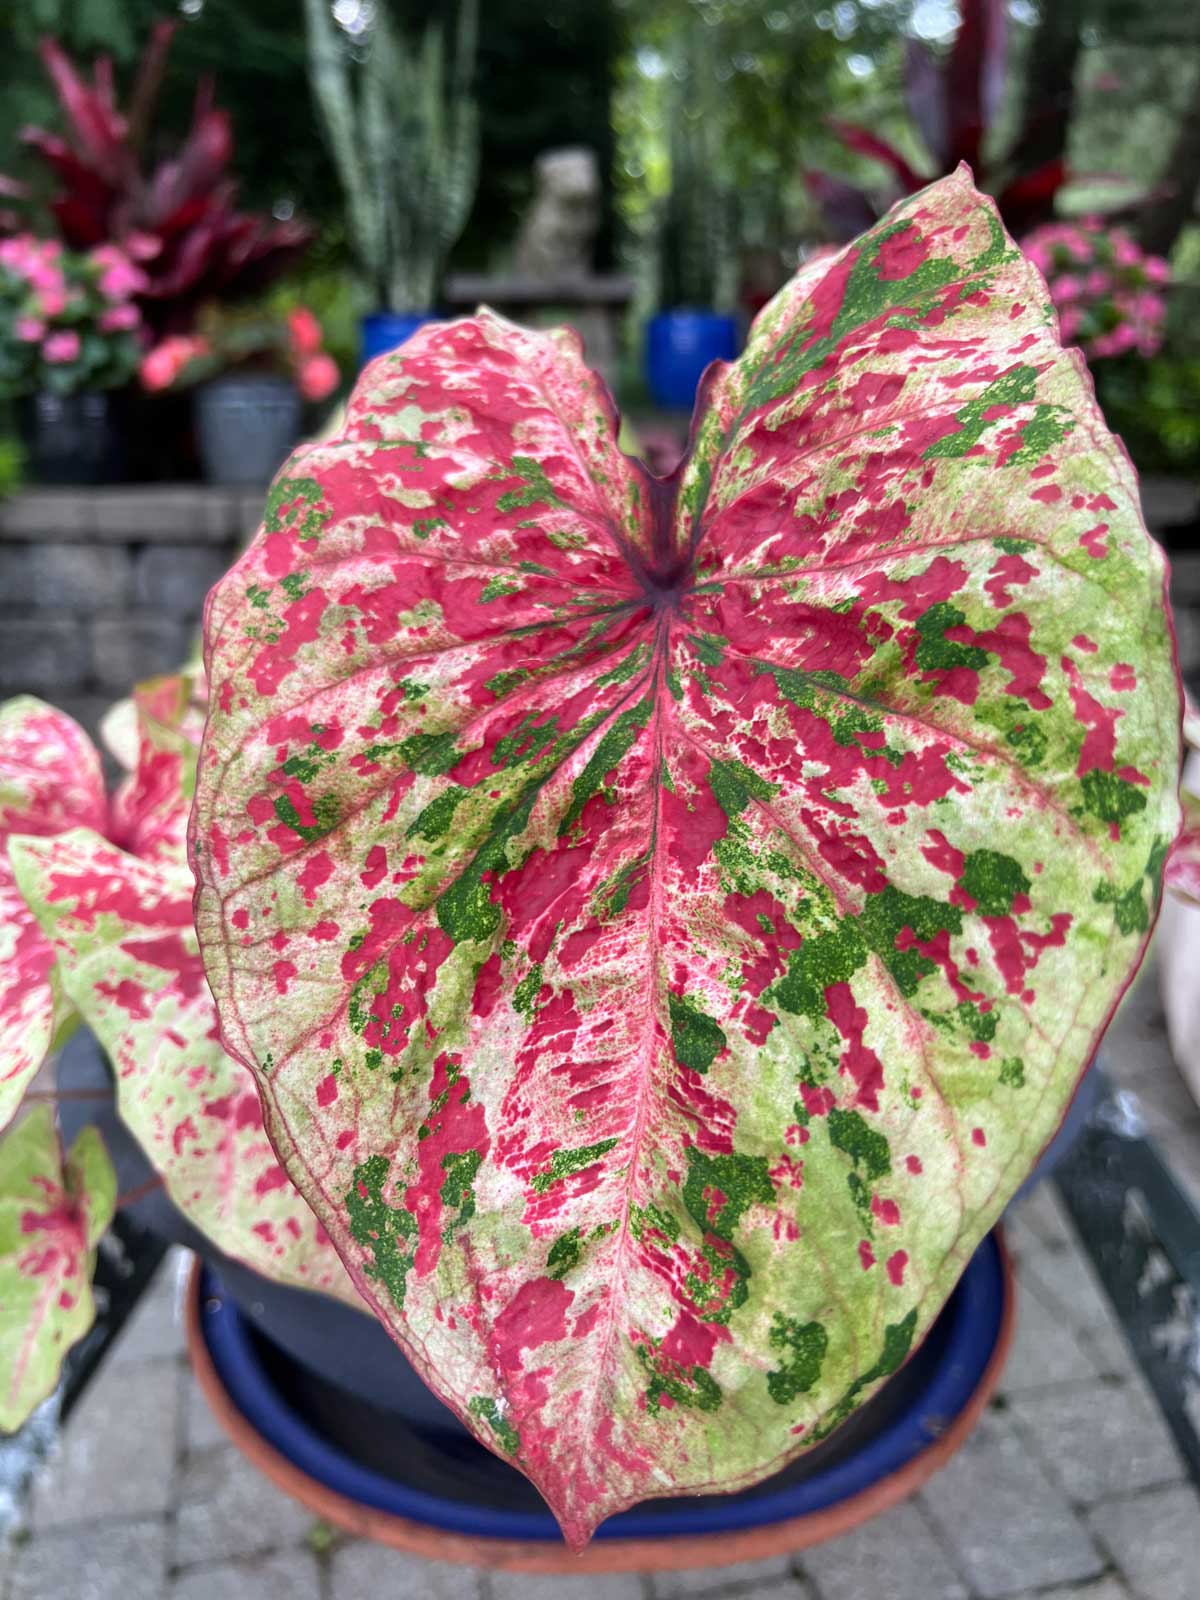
[{"x": 1119, "y": 81}]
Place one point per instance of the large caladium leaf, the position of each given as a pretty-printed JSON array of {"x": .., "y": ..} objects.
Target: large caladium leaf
[
  {"x": 667, "y": 920},
  {"x": 50, "y": 779},
  {"x": 121, "y": 932},
  {"x": 53, "y": 1211}
]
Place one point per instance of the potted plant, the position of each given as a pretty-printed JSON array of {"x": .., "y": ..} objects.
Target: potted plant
[
  {"x": 169, "y": 208},
  {"x": 252, "y": 374},
  {"x": 658, "y": 923},
  {"x": 697, "y": 267},
  {"x": 402, "y": 127},
  {"x": 69, "y": 337},
  {"x": 177, "y": 217}
]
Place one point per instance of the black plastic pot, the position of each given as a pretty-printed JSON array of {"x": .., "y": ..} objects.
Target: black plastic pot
[
  {"x": 73, "y": 438},
  {"x": 245, "y": 426}
]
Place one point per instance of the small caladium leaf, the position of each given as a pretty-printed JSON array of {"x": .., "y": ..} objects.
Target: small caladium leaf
[
  {"x": 121, "y": 932},
  {"x": 50, "y": 779},
  {"x": 150, "y": 808},
  {"x": 668, "y": 919},
  {"x": 1183, "y": 864},
  {"x": 52, "y": 1214}
]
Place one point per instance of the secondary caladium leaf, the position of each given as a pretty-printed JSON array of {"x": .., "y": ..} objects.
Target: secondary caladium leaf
[
  {"x": 50, "y": 779},
  {"x": 150, "y": 808},
  {"x": 667, "y": 920},
  {"x": 121, "y": 932},
  {"x": 52, "y": 1214}
]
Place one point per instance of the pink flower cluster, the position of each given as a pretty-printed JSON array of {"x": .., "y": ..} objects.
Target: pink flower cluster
[
  {"x": 1103, "y": 286},
  {"x": 316, "y": 371},
  {"x": 57, "y": 296},
  {"x": 163, "y": 366},
  {"x": 296, "y": 345}
]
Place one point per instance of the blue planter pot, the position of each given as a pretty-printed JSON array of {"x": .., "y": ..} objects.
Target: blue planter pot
[
  {"x": 679, "y": 345},
  {"x": 331, "y": 1448},
  {"x": 387, "y": 330}
]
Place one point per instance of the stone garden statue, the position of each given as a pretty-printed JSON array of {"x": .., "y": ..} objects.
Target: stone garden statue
[{"x": 557, "y": 232}]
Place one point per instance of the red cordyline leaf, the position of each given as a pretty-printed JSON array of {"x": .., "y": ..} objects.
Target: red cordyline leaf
[
  {"x": 870, "y": 144},
  {"x": 1030, "y": 197},
  {"x": 121, "y": 932},
  {"x": 99, "y": 131},
  {"x": 846, "y": 209},
  {"x": 667, "y": 919},
  {"x": 50, "y": 779},
  {"x": 925, "y": 94},
  {"x": 974, "y": 76}
]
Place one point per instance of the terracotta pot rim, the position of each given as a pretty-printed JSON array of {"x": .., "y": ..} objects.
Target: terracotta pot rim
[{"x": 611, "y": 1555}]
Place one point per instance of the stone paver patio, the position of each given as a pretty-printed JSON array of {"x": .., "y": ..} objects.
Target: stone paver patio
[{"x": 1071, "y": 1486}]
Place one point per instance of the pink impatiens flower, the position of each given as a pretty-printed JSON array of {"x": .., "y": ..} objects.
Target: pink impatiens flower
[
  {"x": 318, "y": 377},
  {"x": 1065, "y": 288},
  {"x": 119, "y": 278},
  {"x": 119, "y": 319},
  {"x": 304, "y": 332},
  {"x": 30, "y": 330},
  {"x": 162, "y": 366},
  {"x": 62, "y": 346},
  {"x": 52, "y": 298}
]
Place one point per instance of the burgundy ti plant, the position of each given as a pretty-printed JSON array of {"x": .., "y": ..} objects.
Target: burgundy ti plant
[
  {"x": 667, "y": 919},
  {"x": 176, "y": 219},
  {"x": 953, "y": 106},
  {"x": 664, "y": 918}
]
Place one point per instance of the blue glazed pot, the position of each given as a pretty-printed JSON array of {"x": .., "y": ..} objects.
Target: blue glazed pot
[
  {"x": 448, "y": 1482},
  {"x": 387, "y": 330},
  {"x": 679, "y": 345}
]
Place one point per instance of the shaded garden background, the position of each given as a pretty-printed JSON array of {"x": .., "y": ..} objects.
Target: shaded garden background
[{"x": 1112, "y": 86}]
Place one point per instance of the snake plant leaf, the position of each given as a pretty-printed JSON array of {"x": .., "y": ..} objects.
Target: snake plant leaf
[
  {"x": 53, "y": 1211},
  {"x": 50, "y": 779},
  {"x": 667, "y": 919},
  {"x": 121, "y": 932}
]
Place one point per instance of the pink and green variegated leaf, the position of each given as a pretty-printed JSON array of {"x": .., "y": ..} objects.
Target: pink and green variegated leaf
[
  {"x": 150, "y": 808},
  {"x": 121, "y": 931},
  {"x": 119, "y": 733},
  {"x": 667, "y": 919},
  {"x": 50, "y": 779},
  {"x": 53, "y": 1211},
  {"x": 1183, "y": 864}
]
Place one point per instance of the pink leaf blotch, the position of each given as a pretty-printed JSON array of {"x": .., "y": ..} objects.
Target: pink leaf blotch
[{"x": 667, "y": 919}]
